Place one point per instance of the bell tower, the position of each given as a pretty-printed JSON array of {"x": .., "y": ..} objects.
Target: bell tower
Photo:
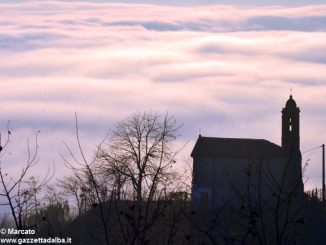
[{"x": 291, "y": 126}]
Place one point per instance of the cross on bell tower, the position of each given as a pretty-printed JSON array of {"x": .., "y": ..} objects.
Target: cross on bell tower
[{"x": 291, "y": 126}]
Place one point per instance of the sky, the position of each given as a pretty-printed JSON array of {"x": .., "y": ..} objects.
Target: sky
[
  {"x": 222, "y": 68},
  {"x": 197, "y": 2}
]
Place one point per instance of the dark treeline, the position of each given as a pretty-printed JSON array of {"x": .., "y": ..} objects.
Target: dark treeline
[{"x": 132, "y": 192}]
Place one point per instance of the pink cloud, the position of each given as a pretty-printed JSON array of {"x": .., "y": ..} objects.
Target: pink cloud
[{"x": 207, "y": 65}]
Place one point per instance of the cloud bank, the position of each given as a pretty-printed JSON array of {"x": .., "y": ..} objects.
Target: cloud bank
[{"x": 225, "y": 69}]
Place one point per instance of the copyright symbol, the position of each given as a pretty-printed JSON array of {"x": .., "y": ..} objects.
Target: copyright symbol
[{"x": 3, "y": 231}]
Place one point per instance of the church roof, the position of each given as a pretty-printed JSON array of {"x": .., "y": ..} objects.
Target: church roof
[{"x": 235, "y": 147}]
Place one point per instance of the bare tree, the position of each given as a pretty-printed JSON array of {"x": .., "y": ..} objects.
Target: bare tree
[
  {"x": 86, "y": 182},
  {"x": 53, "y": 211},
  {"x": 20, "y": 194},
  {"x": 139, "y": 152},
  {"x": 72, "y": 187},
  {"x": 139, "y": 156}
]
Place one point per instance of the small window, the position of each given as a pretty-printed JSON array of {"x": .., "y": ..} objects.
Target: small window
[
  {"x": 290, "y": 120},
  {"x": 290, "y": 128}
]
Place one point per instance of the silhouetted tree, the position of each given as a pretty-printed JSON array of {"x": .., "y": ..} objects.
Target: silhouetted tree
[
  {"x": 139, "y": 155},
  {"x": 92, "y": 191},
  {"x": 72, "y": 186},
  {"x": 20, "y": 194}
]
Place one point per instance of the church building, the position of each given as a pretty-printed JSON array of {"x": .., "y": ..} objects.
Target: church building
[{"x": 238, "y": 171}]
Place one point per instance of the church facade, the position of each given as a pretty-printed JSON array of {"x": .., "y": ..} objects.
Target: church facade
[{"x": 238, "y": 172}]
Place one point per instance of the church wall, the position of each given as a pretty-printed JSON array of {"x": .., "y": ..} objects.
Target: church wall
[
  {"x": 223, "y": 180},
  {"x": 220, "y": 177},
  {"x": 202, "y": 182}
]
